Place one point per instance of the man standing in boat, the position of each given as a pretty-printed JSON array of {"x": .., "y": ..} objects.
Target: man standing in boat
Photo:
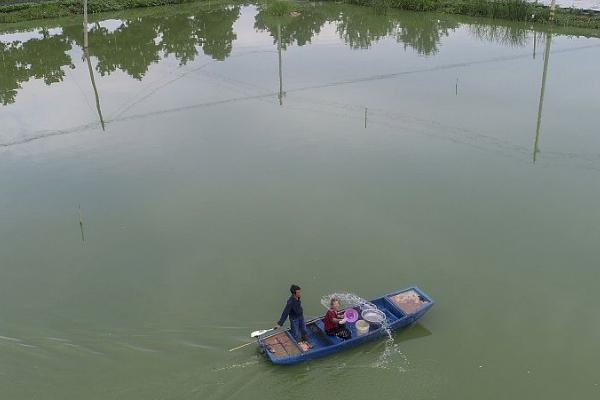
[{"x": 293, "y": 309}]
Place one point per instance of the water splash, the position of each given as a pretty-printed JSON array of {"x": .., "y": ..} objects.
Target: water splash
[
  {"x": 346, "y": 300},
  {"x": 392, "y": 356}
]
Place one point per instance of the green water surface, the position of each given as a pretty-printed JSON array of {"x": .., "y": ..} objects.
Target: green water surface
[{"x": 161, "y": 189}]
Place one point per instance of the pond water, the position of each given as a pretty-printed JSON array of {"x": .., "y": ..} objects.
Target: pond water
[{"x": 161, "y": 189}]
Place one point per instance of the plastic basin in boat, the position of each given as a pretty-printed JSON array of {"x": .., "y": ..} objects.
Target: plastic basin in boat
[{"x": 362, "y": 327}]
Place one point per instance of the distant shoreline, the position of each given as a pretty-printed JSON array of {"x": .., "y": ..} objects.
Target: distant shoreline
[
  {"x": 32, "y": 10},
  {"x": 511, "y": 10}
]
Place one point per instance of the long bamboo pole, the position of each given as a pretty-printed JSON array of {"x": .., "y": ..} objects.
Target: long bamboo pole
[
  {"x": 280, "y": 71},
  {"x": 536, "y": 149}
]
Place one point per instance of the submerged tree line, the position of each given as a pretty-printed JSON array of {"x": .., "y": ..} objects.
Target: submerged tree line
[{"x": 142, "y": 40}]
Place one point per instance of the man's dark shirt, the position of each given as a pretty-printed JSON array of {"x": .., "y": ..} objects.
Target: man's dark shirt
[{"x": 293, "y": 308}]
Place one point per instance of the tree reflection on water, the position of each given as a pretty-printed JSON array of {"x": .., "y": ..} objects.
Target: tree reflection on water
[{"x": 139, "y": 41}]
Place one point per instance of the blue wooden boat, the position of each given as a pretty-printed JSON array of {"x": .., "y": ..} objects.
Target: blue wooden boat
[{"x": 402, "y": 308}]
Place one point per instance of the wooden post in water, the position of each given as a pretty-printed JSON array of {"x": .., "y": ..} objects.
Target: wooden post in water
[
  {"x": 85, "y": 24},
  {"x": 534, "y": 43},
  {"x": 81, "y": 224},
  {"x": 89, "y": 63},
  {"x": 280, "y": 72},
  {"x": 536, "y": 149}
]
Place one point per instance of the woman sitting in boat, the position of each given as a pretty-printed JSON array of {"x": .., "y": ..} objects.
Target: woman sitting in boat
[{"x": 334, "y": 321}]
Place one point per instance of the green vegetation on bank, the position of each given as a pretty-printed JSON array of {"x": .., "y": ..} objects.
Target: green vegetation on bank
[
  {"x": 513, "y": 10},
  {"x": 63, "y": 8},
  {"x": 280, "y": 8}
]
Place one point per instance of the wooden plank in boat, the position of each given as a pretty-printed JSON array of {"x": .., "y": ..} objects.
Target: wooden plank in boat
[{"x": 281, "y": 345}]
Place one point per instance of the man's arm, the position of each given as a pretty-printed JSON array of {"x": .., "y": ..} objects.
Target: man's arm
[{"x": 285, "y": 313}]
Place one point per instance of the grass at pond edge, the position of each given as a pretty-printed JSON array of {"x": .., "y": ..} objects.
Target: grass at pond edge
[
  {"x": 514, "y": 10},
  {"x": 63, "y": 8}
]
